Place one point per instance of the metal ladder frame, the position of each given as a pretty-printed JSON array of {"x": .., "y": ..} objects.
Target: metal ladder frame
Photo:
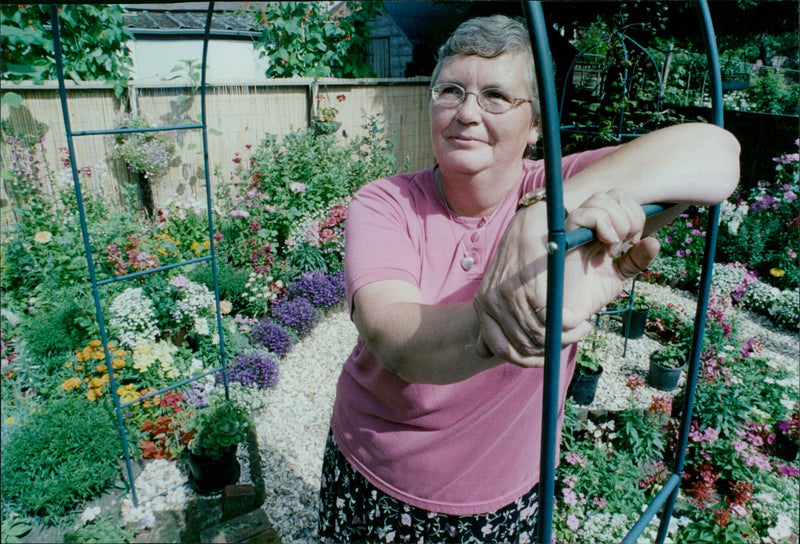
[
  {"x": 559, "y": 242},
  {"x": 70, "y": 134}
]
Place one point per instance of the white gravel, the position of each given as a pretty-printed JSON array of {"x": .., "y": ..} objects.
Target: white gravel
[{"x": 293, "y": 428}]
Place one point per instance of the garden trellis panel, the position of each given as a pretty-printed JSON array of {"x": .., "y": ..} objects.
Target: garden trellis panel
[
  {"x": 119, "y": 405},
  {"x": 558, "y": 243}
]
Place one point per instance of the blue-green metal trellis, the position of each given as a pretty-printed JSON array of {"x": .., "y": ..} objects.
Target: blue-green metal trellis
[
  {"x": 559, "y": 242},
  {"x": 202, "y": 127}
]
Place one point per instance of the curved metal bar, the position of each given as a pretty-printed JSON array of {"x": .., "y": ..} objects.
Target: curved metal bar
[
  {"x": 209, "y": 208},
  {"x": 62, "y": 92},
  {"x": 712, "y": 53},
  {"x": 556, "y": 248}
]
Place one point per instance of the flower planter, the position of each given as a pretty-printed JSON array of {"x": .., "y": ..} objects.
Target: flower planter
[
  {"x": 583, "y": 387},
  {"x": 662, "y": 377},
  {"x": 208, "y": 475},
  {"x": 634, "y": 323},
  {"x": 325, "y": 127}
]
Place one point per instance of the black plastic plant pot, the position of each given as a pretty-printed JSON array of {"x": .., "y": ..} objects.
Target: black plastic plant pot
[
  {"x": 663, "y": 378},
  {"x": 583, "y": 387},
  {"x": 208, "y": 475},
  {"x": 634, "y": 328}
]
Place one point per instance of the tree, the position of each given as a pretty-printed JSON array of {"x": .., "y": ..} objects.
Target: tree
[
  {"x": 305, "y": 39},
  {"x": 94, "y": 42}
]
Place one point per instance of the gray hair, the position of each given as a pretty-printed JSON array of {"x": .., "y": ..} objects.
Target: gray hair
[{"x": 490, "y": 37}]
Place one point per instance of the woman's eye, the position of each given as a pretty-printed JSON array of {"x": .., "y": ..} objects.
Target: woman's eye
[
  {"x": 449, "y": 90},
  {"x": 496, "y": 95}
]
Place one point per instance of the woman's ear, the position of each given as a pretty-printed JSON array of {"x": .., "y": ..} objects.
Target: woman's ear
[{"x": 533, "y": 135}]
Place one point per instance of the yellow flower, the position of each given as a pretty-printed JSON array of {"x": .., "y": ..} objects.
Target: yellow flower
[
  {"x": 96, "y": 383},
  {"x": 102, "y": 368},
  {"x": 777, "y": 272},
  {"x": 127, "y": 393},
  {"x": 117, "y": 363},
  {"x": 99, "y": 355},
  {"x": 10, "y": 420},
  {"x": 95, "y": 344},
  {"x": 94, "y": 394},
  {"x": 225, "y": 307},
  {"x": 78, "y": 367},
  {"x": 118, "y": 353},
  {"x": 163, "y": 252},
  {"x": 71, "y": 383},
  {"x": 43, "y": 237},
  {"x": 82, "y": 356}
]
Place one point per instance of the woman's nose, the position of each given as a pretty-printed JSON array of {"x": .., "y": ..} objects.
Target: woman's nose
[{"x": 469, "y": 109}]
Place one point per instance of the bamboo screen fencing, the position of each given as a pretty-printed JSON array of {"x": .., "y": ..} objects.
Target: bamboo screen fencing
[{"x": 239, "y": 116}]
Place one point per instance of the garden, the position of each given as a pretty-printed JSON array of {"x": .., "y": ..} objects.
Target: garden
[{"x": 273, "y": 306}]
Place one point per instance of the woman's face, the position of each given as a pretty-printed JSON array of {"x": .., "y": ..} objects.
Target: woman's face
[{"x": 468, "y": 140}]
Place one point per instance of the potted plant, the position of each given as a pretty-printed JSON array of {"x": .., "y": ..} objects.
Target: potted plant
[
  {"x": 583, "y": 387},
  {"x": 214, "y": 433},
  {"x": 634, "y": 320},
  {"x": 666, "y": 365}
]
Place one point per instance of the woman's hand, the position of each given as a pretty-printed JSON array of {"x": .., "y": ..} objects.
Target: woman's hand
[{"x": 511, "y": 302}]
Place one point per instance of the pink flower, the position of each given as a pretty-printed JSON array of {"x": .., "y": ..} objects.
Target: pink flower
[
  {"x": 239, "y": 213},
  {"x": 179, "y": 281},
  {"x": 570, "y": 498},
  {"x": 297, "y": 187},
  {"x": 573, "y": 458},
  {"x": 789, "y": 196},
  {"x": 572, "y": 522}
]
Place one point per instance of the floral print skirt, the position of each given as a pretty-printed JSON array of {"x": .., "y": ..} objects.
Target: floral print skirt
[{"x": 353, "y": 510}]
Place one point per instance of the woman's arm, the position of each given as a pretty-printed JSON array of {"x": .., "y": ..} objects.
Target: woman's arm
[{"x": 685, "y": 164}]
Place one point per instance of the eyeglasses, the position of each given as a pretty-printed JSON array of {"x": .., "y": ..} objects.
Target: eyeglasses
[{"x": 451, "y": 95}]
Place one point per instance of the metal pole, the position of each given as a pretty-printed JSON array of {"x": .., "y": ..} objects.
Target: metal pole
[
  {"x": 62, "y": 92},
  {"x": 556, "y": 249}
]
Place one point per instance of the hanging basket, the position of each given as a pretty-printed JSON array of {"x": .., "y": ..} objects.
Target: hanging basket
[
  {"x": 208, "y": 475},
  {"x": 324, "y": 128},
  {"x": 583, "y": 387}
]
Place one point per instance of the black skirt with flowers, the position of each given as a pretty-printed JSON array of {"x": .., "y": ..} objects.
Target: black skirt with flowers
[{"x": 353, "y": 510}]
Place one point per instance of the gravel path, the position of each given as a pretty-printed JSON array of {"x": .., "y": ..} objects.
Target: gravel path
[{"x": 293, "y": 428}]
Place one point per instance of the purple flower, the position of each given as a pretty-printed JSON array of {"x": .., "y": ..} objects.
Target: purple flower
[
  {"x": 272, "y": 336},
  {"x": 323, "y": 290},
  {"x": 254, "y": 369},
  {"x": 789, "y": 196},
  {"x": 239, "y": 213},
  {"x": 295, "y": 313},
  {"x": 788, "y": 470}
]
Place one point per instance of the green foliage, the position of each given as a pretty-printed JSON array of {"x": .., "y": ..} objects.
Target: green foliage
[
  {"x": 93, "y": 39},
  {"x": 60, "y": 323},
  {"x": 62, "y": 454},
  {"x": 295, "y": 194},
  {"x": 216, "y": 429},
  {"x": 670, "y": 356},
  {"x": 100, "y": 531},
  {"x": 641, "y": 433},
  {"x": 14, "y": 528},
  {"x": 304, "y": 39},
  {"x": 231, "y": 282},
  {"x": 762, "y": 229}
]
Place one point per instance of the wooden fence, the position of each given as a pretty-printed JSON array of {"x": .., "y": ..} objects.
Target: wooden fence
[{"x": 239, "y": 116}]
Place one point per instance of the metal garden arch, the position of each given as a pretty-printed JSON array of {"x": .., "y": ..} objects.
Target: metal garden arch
[{"x": 558, "y": 244}]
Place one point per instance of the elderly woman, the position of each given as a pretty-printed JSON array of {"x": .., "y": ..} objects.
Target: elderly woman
[{"x": 436, "y": 425}]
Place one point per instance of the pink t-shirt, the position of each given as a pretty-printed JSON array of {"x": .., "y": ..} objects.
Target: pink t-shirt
[{"x": 461, "y": 449}]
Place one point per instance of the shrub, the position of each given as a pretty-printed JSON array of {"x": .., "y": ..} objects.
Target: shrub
[
  {"x": 60, "y": 456},
  {"x": 59, "y": 324},
  {"x": 231, "y": 281},
  {"x": 296, "y": 313},
  {"x": 272, "y": 336}
]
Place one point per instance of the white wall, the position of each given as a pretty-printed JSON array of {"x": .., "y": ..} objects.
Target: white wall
[{"x": 228, "y": 60}]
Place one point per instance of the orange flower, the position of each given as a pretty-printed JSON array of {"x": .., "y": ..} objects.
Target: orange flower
[{"x": 71, "y": 383}]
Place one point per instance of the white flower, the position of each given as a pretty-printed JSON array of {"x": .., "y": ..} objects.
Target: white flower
[{"x": 90, "y": 514}]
